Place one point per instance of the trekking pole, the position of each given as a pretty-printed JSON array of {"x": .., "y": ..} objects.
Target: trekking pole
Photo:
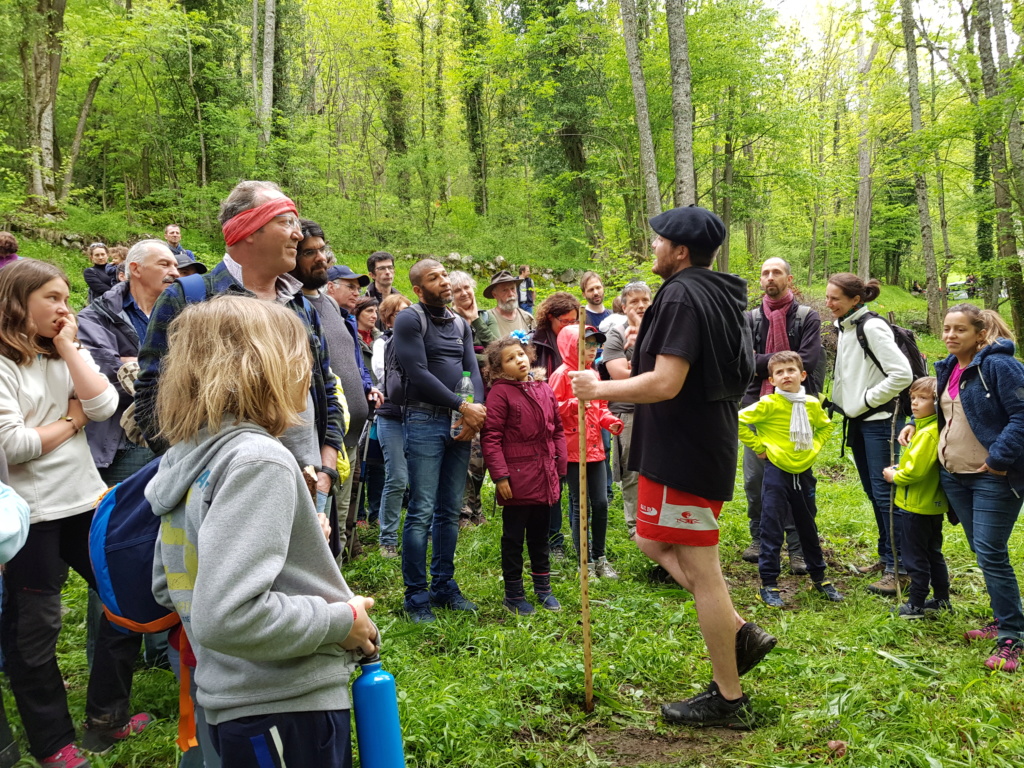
[
  {"x": 588, "y": 672},
  {"x": 892, "y": 507}
]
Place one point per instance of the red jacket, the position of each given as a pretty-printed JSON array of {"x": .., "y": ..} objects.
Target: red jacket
[
  {"x": 522, "y": 440},
  {"x": 598, "y": 415}
]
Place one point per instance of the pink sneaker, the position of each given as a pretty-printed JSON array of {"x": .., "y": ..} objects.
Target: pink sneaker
[
  {"x": 69, "y": 757},
  {"x": 989, "y": 632},
  {"x": 1007, "y": 655},
  {"x": 99, "y": 740}
]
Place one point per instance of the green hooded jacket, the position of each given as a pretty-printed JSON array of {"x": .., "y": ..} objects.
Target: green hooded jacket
[{"x": 917, "y": 478}]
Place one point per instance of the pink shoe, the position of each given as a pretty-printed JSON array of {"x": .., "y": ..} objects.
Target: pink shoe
[
  {"x": 69, "y": 757},
  {"x": 989, "y": 632},
  {"x": 1007, "y": 655},
  {"x": 99, "y": 740}
]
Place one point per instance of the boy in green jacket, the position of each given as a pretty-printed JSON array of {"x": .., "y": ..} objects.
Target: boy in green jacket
[
  {"x": 919, "y": 493},
  {"x": 791, "y": 429}
]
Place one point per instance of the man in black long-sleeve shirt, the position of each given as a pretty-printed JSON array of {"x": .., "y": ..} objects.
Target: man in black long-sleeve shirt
[{"x": 434, "y": 347}]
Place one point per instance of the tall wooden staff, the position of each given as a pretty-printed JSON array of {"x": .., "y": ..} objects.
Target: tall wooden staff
[{"x": 588, "y": 672}]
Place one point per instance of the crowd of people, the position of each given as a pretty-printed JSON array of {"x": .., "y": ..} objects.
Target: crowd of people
[{"x": 292, "y": 400}]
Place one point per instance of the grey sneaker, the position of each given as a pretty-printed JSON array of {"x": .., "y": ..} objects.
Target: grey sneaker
[
  {"x": 604, "y": 569},
  {"x": 877, "y": 567},
  {"x": 797, "y": 566},
  {"x": 389, "y": 550},
  {"x": 752, "y": 553}
]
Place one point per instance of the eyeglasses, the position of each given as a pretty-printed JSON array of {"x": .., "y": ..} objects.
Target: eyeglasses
[
  {"x": 307, "y": 252},
  {"x": 97, "y": 245},
  {"x": 389, "y": 268},
  {"x": 290, "y": 221},
  {"x": 591, "y": 344}
]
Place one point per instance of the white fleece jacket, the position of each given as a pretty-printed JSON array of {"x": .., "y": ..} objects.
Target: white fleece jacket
[
  {"x": 65, "y": 481},
  {"x": 859, "y": 385}
]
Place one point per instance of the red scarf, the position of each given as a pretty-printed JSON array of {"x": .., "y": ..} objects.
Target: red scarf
[
  {"x": 244, "y": 224},
  {"x": 778, "y": 340}
]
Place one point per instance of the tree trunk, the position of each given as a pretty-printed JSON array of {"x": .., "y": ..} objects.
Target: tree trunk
[
  {"x": 920, "y": 181},
  {"x": 40, "y": 50},
  {"x": 863, "y": 211},
  {"x": 394, "y": 105},
  {"x": 571, "y": 139},
  {"x": 267, "y": 98},
  {"x": 256, "y": 57},
  {"x": 722, "y": 260},
  {"x": 682, "y": 102},
  {"x": 1009, "y": 261},
  {"x": 940, "y": 188},
  {"x": 648, "y": 163},
  {"x": 83, "y": 116}
]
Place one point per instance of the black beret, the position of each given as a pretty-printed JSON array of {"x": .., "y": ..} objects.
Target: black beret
[{"x": 692, "y": 226}]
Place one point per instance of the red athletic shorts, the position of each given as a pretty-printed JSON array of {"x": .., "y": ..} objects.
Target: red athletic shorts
[{"x": 676, "y": 517}]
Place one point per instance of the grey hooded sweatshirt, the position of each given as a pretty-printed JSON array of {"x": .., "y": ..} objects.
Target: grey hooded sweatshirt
[{"x": 242, "y": 558}]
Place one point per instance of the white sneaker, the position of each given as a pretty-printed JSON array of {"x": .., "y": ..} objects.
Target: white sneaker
[{"x": 605, "y": 570}]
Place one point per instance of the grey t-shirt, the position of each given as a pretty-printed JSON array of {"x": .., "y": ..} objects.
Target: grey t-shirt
[
  {"x": 613, "y": 350},
  {"x": 341, "y": 347}
]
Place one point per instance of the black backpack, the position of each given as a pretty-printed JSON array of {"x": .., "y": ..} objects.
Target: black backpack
[
  {"x": 907, "y": 343},
  {"x": 394, "y": 382},
  {"x": 817, "y": 376}
]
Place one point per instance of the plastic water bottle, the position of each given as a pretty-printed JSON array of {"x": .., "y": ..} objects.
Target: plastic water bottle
[
  {"x": 378, "y": 731},
  {"x": 464, "y": 389}
]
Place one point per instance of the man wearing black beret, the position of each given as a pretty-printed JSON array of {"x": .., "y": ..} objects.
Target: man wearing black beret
[{"x": 692, "y": 361}]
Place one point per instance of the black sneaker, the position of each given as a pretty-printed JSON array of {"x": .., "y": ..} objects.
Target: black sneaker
[
  {"x": 420, "y": 614},
  {"x": 934, "y": 606},
  {"x": 752, "y": 645},
  {"x": 709, "y": 709},
  {"x": 908, "y": 611},
  {"x": 771, "y": 597},
  {"x": 828, "y": 589},
  {"x": 454, "y": 602}
]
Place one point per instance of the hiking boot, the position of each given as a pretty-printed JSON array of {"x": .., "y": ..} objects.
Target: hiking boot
[
  {"x": 1007, "y": 655},
  {"x": 518, "y": 605},
  {"x": 420, "y": 614},
  {"x": 873, "y": 568},
  {"x": 887, "y": 585},
  {"x": 989, "y": 632},
  {"x": 631, "y": 532},
  {"x": 710, "y": 709},
  {"x": 558, "y": 554},
  {"x": 797, "y": 566},
  {"x": 771, "y": 597},
  {"x": 752, "y": 553},
  {"x": 828, "y": 589},
  {"x": 752, "y": 645},
  {"x": 389, "y": 550},
  {"x": 604, "y": 569},
  {"x": 477, "y": 519},
  {"x": 99, "y": 740},
  {"x": 542, "y": 588},
  {"x": 549, "y": 602},
  {"x": 934, "y": 606},
  {"x": 908, "y": 611},
  {"x": 69, "y": 757},
  {"x": 453, "y": 602}
]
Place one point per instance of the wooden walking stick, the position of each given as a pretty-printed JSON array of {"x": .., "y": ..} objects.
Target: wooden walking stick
[
  {"x": 893, "y": 536},
  {"x": 581, "y": 407}
]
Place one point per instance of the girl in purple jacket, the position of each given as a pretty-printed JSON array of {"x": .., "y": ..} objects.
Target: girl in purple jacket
[{"x": 524, "y": 450}]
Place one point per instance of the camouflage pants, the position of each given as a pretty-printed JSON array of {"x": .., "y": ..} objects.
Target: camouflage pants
[{"x": 471, "y": 504}]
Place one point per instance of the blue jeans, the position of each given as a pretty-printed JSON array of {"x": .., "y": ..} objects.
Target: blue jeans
[
  {"x": 396, "y": 478},
  {"x": 437, "y": 478},
  {"x": 870, "y": 441},
  {"x": 988, "y": 509},
  {"x": 597, "y": 502}
]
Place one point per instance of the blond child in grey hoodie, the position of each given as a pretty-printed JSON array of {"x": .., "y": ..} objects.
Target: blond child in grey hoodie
[{"x": 242, "y": 556}]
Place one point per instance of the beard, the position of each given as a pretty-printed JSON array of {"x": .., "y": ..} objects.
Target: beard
[
  {"x": 509, "y": 306},
  {"x": 313, "y": 281},
  {"x": 435, "y": 299}
]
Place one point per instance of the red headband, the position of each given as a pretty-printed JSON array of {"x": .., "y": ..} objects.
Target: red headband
[{"x": 247, "y": 222}]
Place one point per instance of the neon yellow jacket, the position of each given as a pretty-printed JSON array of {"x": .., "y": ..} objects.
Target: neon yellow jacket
[
  {"x": 771, "y": 415},
  {"x": 917, "y": 479}
]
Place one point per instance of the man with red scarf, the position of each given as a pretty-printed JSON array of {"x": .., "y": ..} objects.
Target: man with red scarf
[{"x": 781, "y": 323}]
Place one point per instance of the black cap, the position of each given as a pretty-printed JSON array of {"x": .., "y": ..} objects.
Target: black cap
[
  {"x": 692, "y": 226},
  {"x": 342, "y": 272},
  {"x": 592, "y": 333}
]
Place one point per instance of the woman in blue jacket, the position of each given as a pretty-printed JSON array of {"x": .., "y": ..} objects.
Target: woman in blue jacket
[{"x": 981, "y": 454}]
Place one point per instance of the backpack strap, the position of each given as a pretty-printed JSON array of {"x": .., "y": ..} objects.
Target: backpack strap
[
  {"x": 194, "y": 288},
  {"x": 858, "y": 327}
]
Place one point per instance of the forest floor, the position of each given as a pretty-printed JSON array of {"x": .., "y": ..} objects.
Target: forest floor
[{"x": 491, "y": 690}]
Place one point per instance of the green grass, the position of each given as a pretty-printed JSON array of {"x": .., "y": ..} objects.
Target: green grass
[{"x": 496, "y": 690}]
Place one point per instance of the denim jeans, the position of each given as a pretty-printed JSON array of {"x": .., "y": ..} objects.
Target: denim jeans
[
  {"x": 437, "y": 478},
  {"x": 396, "y": 477},
  {"x": 988, "y": 509},
  {"x": 870, "y": 441},
  {"x": 597, "y": 501}
]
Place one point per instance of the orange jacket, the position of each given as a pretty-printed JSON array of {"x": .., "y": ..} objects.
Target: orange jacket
[{"x": 598, "y": 415}]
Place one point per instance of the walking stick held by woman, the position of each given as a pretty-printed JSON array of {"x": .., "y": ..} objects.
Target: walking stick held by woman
[{"x": 588, "y": 672}]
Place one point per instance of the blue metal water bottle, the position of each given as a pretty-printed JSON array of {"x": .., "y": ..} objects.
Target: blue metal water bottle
[{"x": 378, "y": 731}]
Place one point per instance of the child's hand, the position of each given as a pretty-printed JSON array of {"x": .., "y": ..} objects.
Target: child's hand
[
  {"x": 504, "y": 488},
  {"x": 763, "y": 456},
  {"x": 616, "y": 428},
  {"x": 363, "y": 635},
  {"x": 888, "y": 473}
]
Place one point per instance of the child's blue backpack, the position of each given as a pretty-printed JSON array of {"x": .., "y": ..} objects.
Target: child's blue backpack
[{"x": 121, "y": 543}]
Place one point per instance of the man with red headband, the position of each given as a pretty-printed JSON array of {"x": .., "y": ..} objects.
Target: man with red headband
[{"x": 261, "y": 232}]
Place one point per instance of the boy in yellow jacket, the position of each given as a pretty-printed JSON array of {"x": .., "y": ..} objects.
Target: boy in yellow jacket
[
  {"x": 918, "y": 492},
  {"x": 791, "y": 429}
]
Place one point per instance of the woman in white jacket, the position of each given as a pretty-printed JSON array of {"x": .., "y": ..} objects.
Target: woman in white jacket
[
  {"x": 50, "y": 388},
  {"x": 866, "y": 395}
]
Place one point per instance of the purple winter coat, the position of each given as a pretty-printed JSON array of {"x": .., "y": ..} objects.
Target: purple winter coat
[{"x": 523, "y": 441}]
